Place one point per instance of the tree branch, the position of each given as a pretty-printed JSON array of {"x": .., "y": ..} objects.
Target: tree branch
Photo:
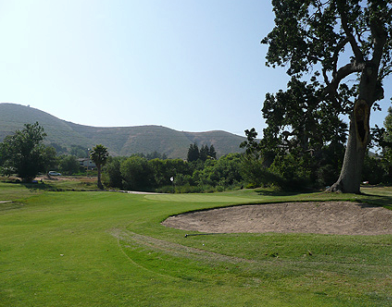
[
  {"x": 379, "y": 37},
  {"x": 342, "y": 73},
  {"x": 389, "y": 14},
  {"x": 339, "y": 47},
  {"x": 356, "y": 50}
]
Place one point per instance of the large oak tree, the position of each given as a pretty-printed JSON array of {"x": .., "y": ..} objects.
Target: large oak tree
[{"x": 330, "y": 42}]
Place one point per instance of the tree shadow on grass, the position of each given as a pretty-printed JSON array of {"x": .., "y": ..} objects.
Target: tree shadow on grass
[
  {"x": 38, "y": 186},
  {"x": 272, "y": 192},
  {"x": 378, "y": 200}
]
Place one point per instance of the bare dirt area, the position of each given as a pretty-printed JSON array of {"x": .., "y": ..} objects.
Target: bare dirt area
[
  {"x": 66, "y": 178},
  {"x": 345, "y": 218}
]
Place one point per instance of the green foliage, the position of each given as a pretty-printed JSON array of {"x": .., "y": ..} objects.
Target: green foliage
[
  {"x": 79, "y": 151},
  {"x": 23, "y": 153},
  {"x": 99, "y": 155},
  {"x": 325, "y": 43},
  {"x": 212, "y": 152},
  {"x": 296, "y": 118},
  {"x": 136, "y": 173},
  {"x": 60, "y": 150},
  {"x": 293, "y": 172},
  {"x": 204, "y": 153},
  {"x": 224, "y": 172},
  {"x": 378, "y": 169},
  {"x": 112, "y": 173},
  {"x": 193, "y": 153},
  {"x": 50, "y": 158},
  {"x": 69, "y": 165},
  {"x": 373, "y": 171},
  {"x": 252, "y": 147},
  {"x": 385, "y": 136}
]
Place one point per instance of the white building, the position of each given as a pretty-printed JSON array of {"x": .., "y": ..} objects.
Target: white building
[{"x": 87, "y": 163}]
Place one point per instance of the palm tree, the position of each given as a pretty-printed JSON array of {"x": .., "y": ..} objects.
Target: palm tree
[{"x": 99, "y": 155}]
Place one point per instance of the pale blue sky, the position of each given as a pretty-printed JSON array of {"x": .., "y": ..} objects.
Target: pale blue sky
[{"x": 192, "y": 65}]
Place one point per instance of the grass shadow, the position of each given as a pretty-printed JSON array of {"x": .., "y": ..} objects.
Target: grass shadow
[
  {"x": 38, "y": 186},
  {"x": 272, "y": 192},
  {"x": 378, "y": 200}
]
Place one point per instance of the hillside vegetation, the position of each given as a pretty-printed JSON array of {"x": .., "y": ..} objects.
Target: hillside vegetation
[{"x": 121, "y": 141}]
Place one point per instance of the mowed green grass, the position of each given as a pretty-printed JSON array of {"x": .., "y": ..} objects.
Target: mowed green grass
[{"x": 109, "y": 249}]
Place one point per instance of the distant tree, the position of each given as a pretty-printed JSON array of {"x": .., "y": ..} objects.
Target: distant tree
[
  {"x": 69, "y": 165},
  {"x": 212, "y": 152},
  {"x": 204, "y": 153},
  {"x": 50, "y": 158},
  {"x": 160, "y": 172},
  {"x": 112, "y": 169},
  {"x": 156, "y": 155},
  {"x": 227, "y": 169},
  {"x": 193, "y": 153},
  {"x": 136, "y": 173},
  {"x": 382, "y": 137},
  {"x": 387, "y": 135},
  {"x": 99, "y": 155},
  {"x": 24, "y": 154},
  {"x": 79, "y": 151},
  {"x": 60, "y": 150}
]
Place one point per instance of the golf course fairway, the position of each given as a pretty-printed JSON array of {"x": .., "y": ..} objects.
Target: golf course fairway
[{"x": 110, "y": 249}]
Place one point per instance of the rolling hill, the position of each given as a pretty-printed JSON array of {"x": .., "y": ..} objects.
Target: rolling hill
[{"x": 121, "y": 141}]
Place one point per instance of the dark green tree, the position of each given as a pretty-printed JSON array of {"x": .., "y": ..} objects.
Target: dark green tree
[
  {"x": 112, "y": 169},
  {"x": 317, "y": 37},
  {"x": 193, "y": 153},
  {"x": 296, "y": 119},
  {"x": 136, "y": 173},
  {"x": 60, "y": 150},
  {"x": 204, "y": 153},
  {"x": 301, "y": 126},
  {"x": 24, "y": 154},
  {"x": 387, "y": 136},
  {"x": 69, "y": 165},
  {"x": 79, "y": 151},
  {"x": 212, "y": 152},
  {"x": 51, "y": 161},
  {"x": 99, "y": 155},
  {"x": 382, "y": 137}
]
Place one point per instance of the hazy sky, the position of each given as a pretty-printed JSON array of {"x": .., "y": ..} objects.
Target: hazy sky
[{"x": 184, "y": 64}]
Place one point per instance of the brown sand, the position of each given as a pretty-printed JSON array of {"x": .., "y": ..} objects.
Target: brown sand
[{"x": 311, "y": 217}]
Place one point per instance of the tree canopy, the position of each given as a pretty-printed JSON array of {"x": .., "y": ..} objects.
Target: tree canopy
[
  {"x": 99, "y": 155},
  {"x": 193, "y": 152},
  {"x": 323, "y": 43},
  {"x": 24, "y": 154}
]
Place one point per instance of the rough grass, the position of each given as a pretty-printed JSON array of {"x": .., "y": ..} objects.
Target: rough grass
[{"x": 109, "y": 249}]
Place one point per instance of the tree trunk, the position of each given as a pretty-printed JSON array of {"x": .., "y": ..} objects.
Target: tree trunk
[
  {"x": 370, "y": 90},
  {"x": 100, "y": 185},
  {"x": 350, "y": 176}
]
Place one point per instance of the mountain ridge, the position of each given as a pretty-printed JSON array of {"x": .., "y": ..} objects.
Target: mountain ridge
[{"x": 120, "y": 141}]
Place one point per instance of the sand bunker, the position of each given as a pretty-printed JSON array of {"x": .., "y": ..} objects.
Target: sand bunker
[{"x": 311, "y": 217}]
